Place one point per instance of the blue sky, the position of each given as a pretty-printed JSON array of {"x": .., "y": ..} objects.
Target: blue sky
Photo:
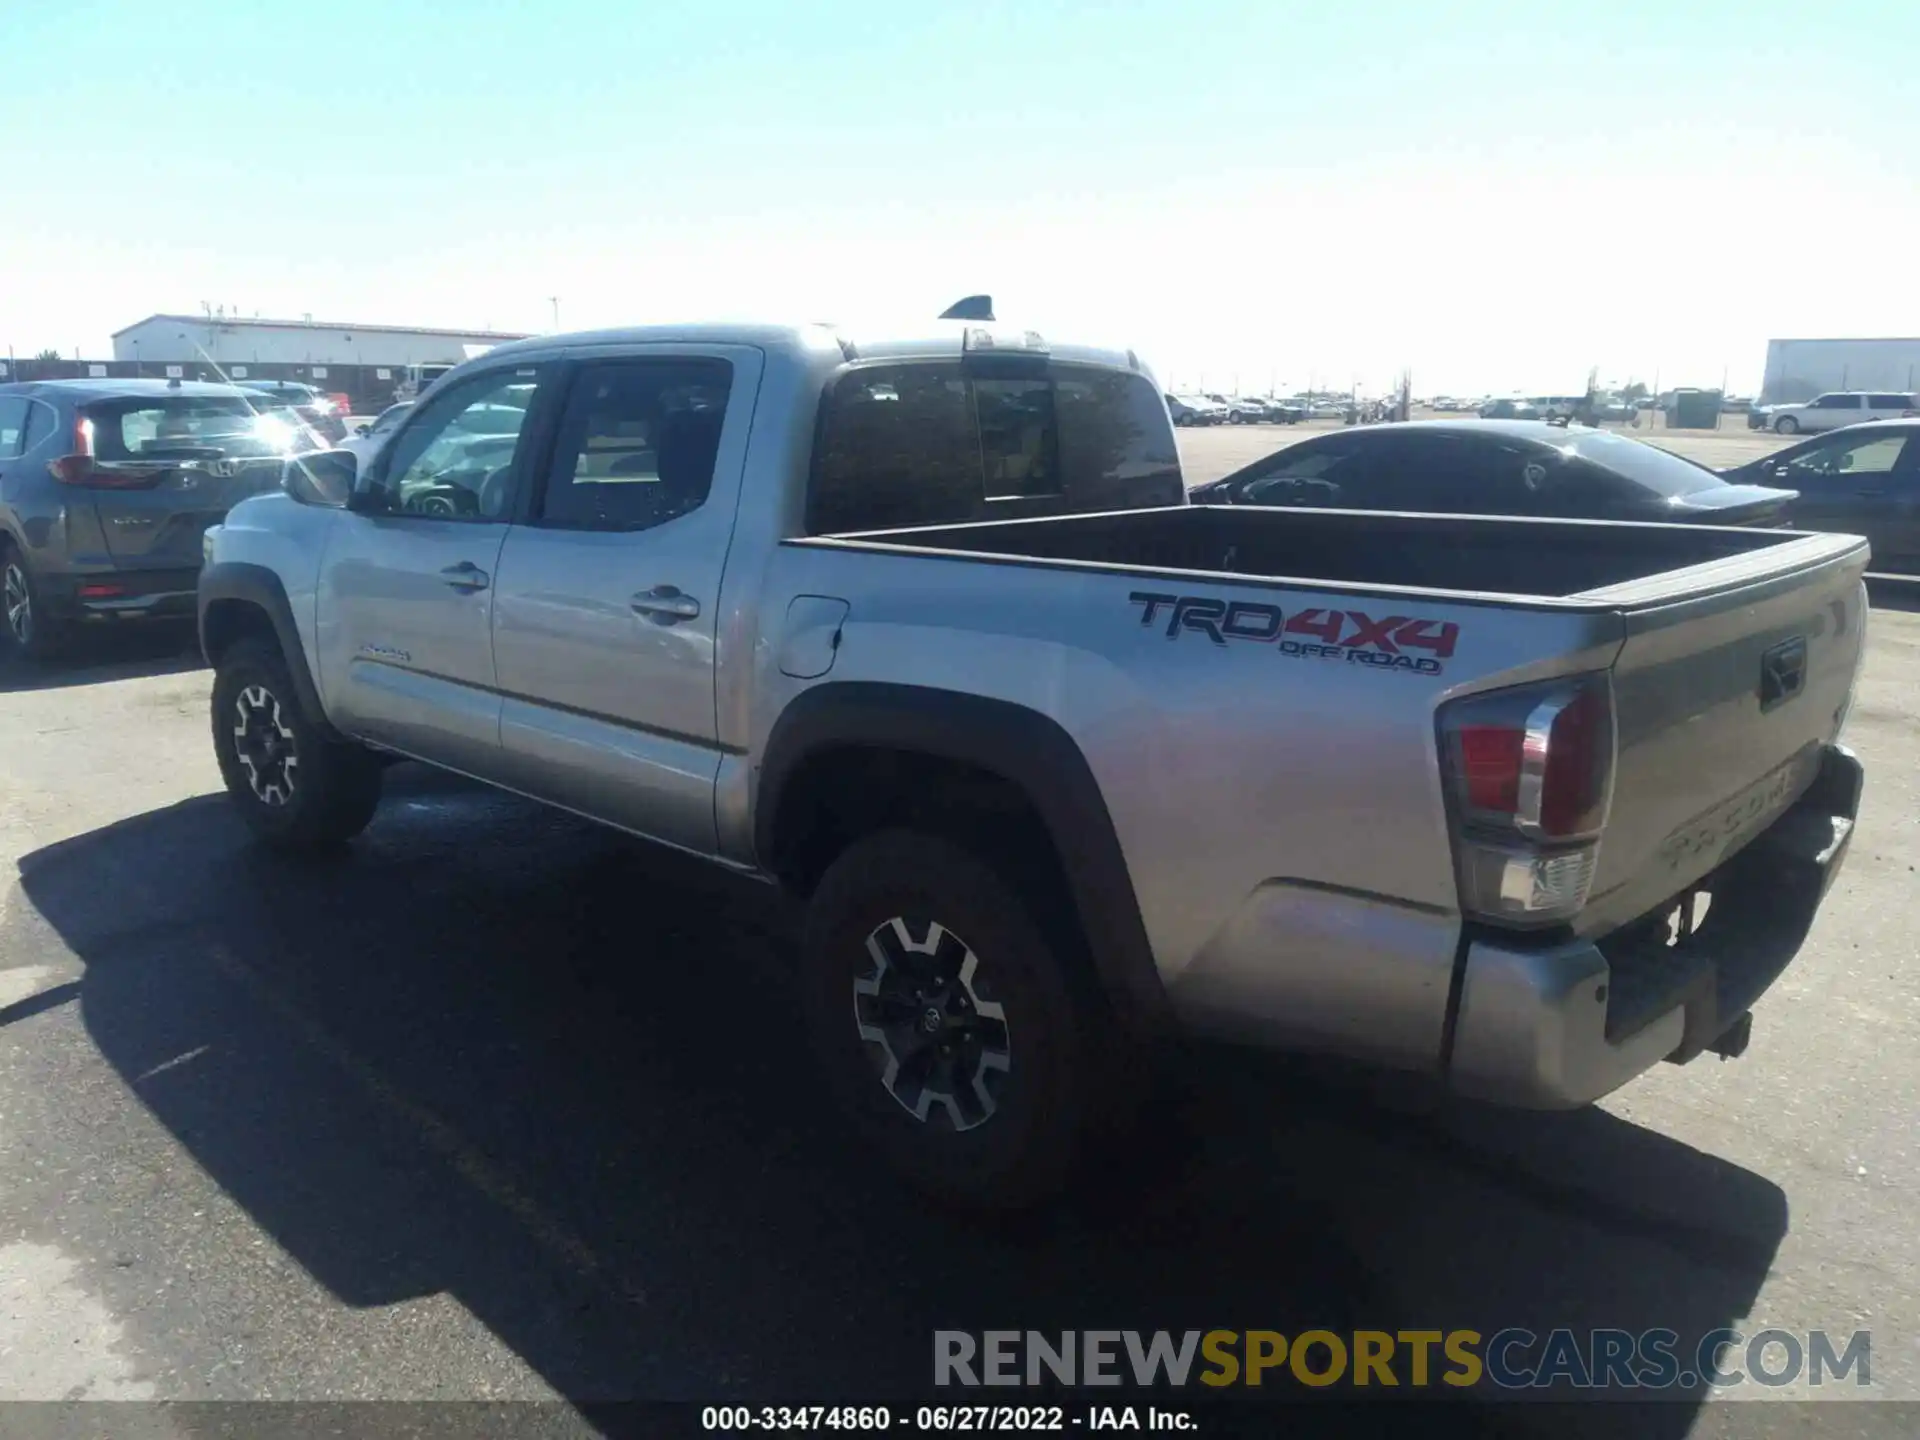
[{"x": 1494, "y": 196}]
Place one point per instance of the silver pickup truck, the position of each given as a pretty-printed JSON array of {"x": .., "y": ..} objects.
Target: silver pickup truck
[{"x": 922, "y": 630}]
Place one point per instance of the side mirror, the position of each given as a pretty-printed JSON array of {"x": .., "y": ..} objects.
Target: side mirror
[
  {"x": 363, "y": 428},
  {"x": 325, "y": 477}
]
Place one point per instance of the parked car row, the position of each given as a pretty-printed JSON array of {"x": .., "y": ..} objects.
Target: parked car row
[
  {"x": 325, "y": 414},
  {"x": 1203, "y": 409}
]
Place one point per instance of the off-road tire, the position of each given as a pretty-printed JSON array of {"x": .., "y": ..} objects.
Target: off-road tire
[
  {"x": 330, "y": 791},
  {"x": 1027, "y": 1149}
]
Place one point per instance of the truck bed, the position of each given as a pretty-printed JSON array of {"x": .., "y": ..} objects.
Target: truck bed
[
  {"x": 1683, "y": 617},
  {"x": 1467, "y": 555}
]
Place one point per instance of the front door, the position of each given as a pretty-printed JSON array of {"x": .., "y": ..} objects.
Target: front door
[
  {"x": 605, "y": 614},
  {"x": 407, "y": 585},
  {"x": 1859, "y": 483}
]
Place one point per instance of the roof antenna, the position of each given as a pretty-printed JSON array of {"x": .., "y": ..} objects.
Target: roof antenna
[{"x": 974, "y": 307}]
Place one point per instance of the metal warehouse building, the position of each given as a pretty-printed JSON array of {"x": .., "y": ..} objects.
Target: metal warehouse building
[
  {"x": 1801, "y": 369},
  {"x": 225, "y": 340}
]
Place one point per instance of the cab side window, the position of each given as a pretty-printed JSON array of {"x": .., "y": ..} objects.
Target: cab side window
[
  {"x": 459, "y": 455},
  {"x": 1854, "y": 457},
  {"x": 637, "y": 444}
]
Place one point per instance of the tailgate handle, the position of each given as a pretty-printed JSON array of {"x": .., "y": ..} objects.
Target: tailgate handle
[{"x": 1783, "y": 672}]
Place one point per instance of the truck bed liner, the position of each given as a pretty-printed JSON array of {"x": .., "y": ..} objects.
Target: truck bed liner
[{"x": 1459, "y": 553}]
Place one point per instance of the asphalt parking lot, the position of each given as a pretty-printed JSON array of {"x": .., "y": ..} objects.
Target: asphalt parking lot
[{"x": 501, "y": 1106}]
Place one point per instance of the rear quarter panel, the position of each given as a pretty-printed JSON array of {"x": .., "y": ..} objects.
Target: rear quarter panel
[{"x": 1227, "y": 765}]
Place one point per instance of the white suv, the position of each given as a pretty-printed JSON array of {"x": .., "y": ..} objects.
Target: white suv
[{"x": 1832, "y": 410}]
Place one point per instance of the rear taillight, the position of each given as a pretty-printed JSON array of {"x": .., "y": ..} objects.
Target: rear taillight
[
  {"x": 1530, "y": 774},
  {"x": 73, "y": 469},
  {"x": 91, "y": 474}
]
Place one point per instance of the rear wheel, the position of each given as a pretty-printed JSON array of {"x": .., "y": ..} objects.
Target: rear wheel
[
  {"x": 294, "y": 786},
  {"x": 29, "y": 629},
  {"x": 949, "y": 1036},
  {"x": 1786, "y": 425}
]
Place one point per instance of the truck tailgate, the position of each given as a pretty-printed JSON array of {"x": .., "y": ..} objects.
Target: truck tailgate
[{"x": 1725, "y": 691}]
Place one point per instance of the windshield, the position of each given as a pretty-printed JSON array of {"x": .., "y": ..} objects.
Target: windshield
[{"x": 1648, "y": 466}]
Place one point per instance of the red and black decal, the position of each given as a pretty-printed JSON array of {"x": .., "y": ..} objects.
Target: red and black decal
[{"x": 1315, "y": 633}]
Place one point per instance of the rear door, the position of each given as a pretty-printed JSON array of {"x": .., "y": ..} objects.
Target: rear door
[
  {"x": 1889, "y": 406},
  {"x": 1848, "y": 484},
  {"x": 407, "y": 588},
  {"x": 606, "y": 612},
  {"x": 1899, "y": 524},
  {"x": 1830, "y": 412}
]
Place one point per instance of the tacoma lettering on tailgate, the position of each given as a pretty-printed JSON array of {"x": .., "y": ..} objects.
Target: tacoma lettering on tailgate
[{"x": 1390, "y": 642}]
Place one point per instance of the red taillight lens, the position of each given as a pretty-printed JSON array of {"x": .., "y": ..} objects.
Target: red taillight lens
[
  {"x": 71, "y": 469},
  {"x": 1578, "y": 762},
  {"x": 1536, "y": 759},
  {"x": 92, "y": 474},
  {"x": 1489, "y": 766},
  {"x": 1531, "y": 772},
  {"x": 76, "y": 468}
]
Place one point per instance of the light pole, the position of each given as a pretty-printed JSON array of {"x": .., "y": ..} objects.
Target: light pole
[{"x": 554, "y": 300}]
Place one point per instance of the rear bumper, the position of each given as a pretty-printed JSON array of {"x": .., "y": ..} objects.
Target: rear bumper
[
  {"x": 1560, "y": 1026},
  {"x": 114, "y": 596}
]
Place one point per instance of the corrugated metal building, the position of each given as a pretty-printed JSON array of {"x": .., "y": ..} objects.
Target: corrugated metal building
[
  {"x": 228, "y": 340},
  {"x": 1801, "y": 369}
]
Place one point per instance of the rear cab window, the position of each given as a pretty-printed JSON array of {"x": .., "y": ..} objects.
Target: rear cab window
[{"x": 945, "y": 442}]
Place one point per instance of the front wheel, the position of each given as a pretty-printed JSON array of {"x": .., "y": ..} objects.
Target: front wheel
[
  {"x": 1786, "y": 425},
  {"x": 296, "y": 787},
  {"x": 944, "y": 1022}
]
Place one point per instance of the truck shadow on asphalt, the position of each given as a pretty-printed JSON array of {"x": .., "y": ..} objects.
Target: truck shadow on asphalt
[
  {"x": 129, "y": 653},
  {"x": 495, "y": 1052}
]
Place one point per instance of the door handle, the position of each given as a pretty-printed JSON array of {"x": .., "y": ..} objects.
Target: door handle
[
  {"x": 466, "y": 576},
  {"x": 1874, "y": 492},
  {"x": 665, "y": 605}
]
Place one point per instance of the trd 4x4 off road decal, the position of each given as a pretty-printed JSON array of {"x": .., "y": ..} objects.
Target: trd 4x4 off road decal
[{"x": 1390, "y": 642}]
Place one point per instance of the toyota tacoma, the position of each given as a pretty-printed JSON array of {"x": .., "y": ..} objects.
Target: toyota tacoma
[{"x": 921, "y": 629}]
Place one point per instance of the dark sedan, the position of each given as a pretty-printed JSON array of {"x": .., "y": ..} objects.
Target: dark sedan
[
  {"x": 1862, "y": 480},
  {"x": 1497, "y": 467}
]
